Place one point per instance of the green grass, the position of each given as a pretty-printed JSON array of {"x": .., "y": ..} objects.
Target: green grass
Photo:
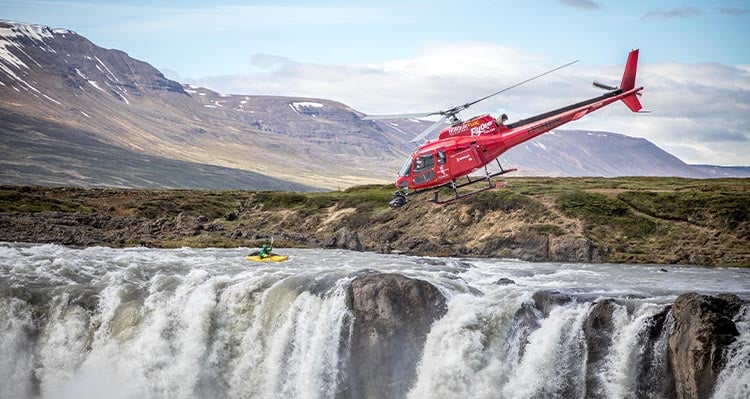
[
  {"x": 370, "y": 196},
  {"x": 363, "y": 198},
  {"x": 153, "y": 204},
  {"x": 719, "y": 209},
  {"x": 591, "y": 206},
  {"x": 507, "y": 201},
  {"x": 553, "y": 186},
  {"x": 605, "y": 215},
  {"x": 31, "y": 202}
]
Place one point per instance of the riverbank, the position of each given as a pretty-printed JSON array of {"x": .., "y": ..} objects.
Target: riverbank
[{"x": 621, "y": 220}]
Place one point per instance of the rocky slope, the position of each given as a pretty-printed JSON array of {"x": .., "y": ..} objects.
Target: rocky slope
[{"x": 655, "y": 220}]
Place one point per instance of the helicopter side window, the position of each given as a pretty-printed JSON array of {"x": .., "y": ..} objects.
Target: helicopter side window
[
  {"x": 423, "y": 162},
  {"x": 441, "y": 157}
]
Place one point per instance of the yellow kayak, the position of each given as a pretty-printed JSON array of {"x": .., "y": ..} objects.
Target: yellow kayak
[{"x": 272, "y": 258}]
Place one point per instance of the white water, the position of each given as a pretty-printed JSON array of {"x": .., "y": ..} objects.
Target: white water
[{"x": 204, "y": 323}]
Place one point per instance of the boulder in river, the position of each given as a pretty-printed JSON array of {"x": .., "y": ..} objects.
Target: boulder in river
[
  {"x": 392, "y": 316},
  {"x": 703, "y": 328}
]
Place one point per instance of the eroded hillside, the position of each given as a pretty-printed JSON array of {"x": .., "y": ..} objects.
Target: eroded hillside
[{"x": 634, "y": 220}]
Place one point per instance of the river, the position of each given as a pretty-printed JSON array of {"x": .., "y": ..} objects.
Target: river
[{"x": 203, "y": 323}]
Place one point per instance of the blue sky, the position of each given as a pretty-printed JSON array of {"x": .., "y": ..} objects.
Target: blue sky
[
  {"x": 404, "y": 56},
  {"x": 198, "y": 38}
]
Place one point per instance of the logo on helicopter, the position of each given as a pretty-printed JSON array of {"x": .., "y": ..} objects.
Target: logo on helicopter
[
  {"x": 481, "y": 129},
  {"x": 458, "y": 129}
]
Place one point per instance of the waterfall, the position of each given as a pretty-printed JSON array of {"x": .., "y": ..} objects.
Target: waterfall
[
  {"x": 147, "y": 323},
  {"x": 734, "y": 379},
  {"x": 156, "y": 333}
]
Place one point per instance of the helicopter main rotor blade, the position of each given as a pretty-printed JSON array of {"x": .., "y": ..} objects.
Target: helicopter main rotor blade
[
  {"x": 400, "y": 116},
  {"x": 430, "y": 129},
  {"x": 452, "y": 112},
  {"x": 467, "y": 105}
]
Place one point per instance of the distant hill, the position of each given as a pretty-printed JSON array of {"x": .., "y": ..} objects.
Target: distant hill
[
  {"x": 584, "y": 153},
  {"x": 59, "y": 155},
  {"x": 724, "y": 171},
  {"x": 74, "y": 113}
]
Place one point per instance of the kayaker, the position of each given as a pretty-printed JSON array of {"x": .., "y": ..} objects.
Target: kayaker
[{"x": 265, "y": 251}]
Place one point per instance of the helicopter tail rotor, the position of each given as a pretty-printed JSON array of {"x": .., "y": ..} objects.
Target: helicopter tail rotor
[
  {"x": 627, "y": 83},
  {"x": 605, "y": 87},
  {"x": 610, "y": 88}
]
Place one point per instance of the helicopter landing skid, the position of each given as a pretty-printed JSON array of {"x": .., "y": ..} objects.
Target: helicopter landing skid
[
  {"x": 400, "y": 198},
  {"x": 455, "y": 187},
  {"x": 458, "y": 197}
]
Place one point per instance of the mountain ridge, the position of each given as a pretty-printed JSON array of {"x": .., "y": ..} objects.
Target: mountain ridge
[
  {"x": 56, "y": 85},
  {"x": 128, "y": 104}
]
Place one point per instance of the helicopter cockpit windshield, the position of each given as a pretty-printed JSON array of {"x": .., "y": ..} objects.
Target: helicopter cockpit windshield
[{"x": 406, "y": 168}]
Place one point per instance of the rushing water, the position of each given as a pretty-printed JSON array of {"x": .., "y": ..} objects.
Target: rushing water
[{"x": 205, "y": 323}]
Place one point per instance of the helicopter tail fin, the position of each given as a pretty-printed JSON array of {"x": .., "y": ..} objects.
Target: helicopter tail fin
[{"x": 628, "y": 81}]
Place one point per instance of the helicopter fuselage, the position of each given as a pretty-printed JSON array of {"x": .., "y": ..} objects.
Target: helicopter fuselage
[{"x": 467, "y": 146}]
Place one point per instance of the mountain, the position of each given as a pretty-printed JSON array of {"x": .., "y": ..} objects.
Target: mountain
[
  {"x": 74, "y": 113},
  {"x": 58, "y": 88},
  {"x": 724, "y": 171},
  {"x": 586, "y": 153},
  {"x": 42, "y": 153}
]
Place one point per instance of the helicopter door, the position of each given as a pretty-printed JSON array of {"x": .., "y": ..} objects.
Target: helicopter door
[
  {"x": 423, "y": 169},
  {"x": 464, "y": 161}
]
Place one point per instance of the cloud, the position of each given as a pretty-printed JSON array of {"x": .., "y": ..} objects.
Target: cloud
[
  {"x": 583, "y": 4},
  {"x": 679, "y": 12},
  {"x": 734, "y": 11},
  {"x": 701, "y": 112}
]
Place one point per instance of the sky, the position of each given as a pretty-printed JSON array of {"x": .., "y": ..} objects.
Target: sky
[{"x": 398, "y": 56}]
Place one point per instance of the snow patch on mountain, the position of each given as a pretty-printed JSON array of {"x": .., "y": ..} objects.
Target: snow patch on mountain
[{"x": 96, "y": 85}]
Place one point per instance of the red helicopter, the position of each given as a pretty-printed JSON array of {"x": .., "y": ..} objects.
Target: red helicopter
[{"x": 464, "y": 147}]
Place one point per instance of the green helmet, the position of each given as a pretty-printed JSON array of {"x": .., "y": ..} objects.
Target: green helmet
[{"x": 265, "y": 247}]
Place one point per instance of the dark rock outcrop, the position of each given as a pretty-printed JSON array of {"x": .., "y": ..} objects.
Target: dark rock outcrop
[
  {"x": 345, "y": 238},
  {"x": 546, "y": 300},
  {"x": 392, "y": 316},
  {"x": 598, "y": 330},
  {"x": 573, "y": 249},
  {"x": 654, "y": 375},
  {"x": 525, "y": 321},
  {"x": 530, "y": 245},
  {"x": 703, "y": 328}
]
